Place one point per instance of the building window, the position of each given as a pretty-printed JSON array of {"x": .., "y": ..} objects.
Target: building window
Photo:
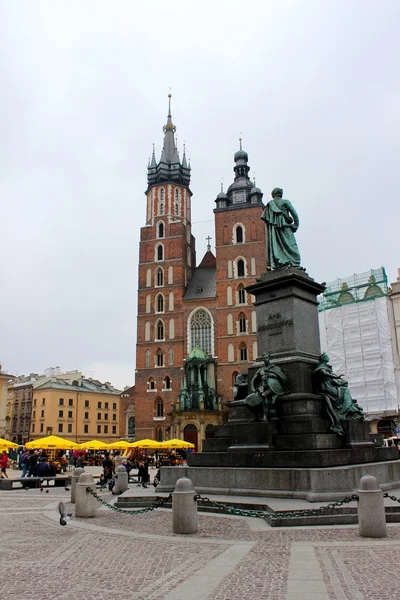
[
  {"x": 242, "y": 323},
  {"x": 201, "y": 331},
  {"x": 240, "y": 268},
  {"x": 41, "y": 427},
  {"x": 147, "y": 359},
  {"x": 70, "y": 414},
  {"x": 159, "y": 435},
  {"x": 176, "y": 208},
  {"x": 43, "y": 401},
  {"x": 241, "y": 295},
  {"x": 60, "y": 414},
  {"x": 167, "y": 383},
  {"x": 105, "y": 428},
  {"x": 161, "y": 202},
  {"x": 151, "y": 384},
  {"x": 86, "y": 403},
  {"x": 34, "y": 402},
  {"x": 160, "y": 303},
  {"x": 160, "y": 252},
  {"x": 99, "y": 405},
  {"x": 160, "y": 229},
  {"x": 98, "y": 428},
  {"x": 41, "y": 414},
  {"x": 114, "y": 406},
  {"x": 171, "y": 357},
  {"x": 160, "y": 408},
  {"x": 159, "y": 330},
  {"x": 33, "y": 427},
  {"x": 61, "y": 402},
  {"x": 160, "y": 358},
  {"x": 99, "y": 416},
  {"x": 86, "y": 415},
  {"x": 70, "y": 402},
  {"x": 114, "y": 429},
  {"x": 114, "y": 417},
  {"x": 239, "y": 234},
  {"x": 159, "y": 277},
  {"x": 243, "y": 352},
  {"x": 86, "y": 429},
  {"x": 34, "y": 414},
  {"x": 106, "y": 405},
  {"x": 69, "y": 428},
  {"x": 60, "y": 428},
  {"x": 106, "y": 416}
]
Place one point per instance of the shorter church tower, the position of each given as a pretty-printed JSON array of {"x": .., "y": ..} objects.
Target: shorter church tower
[{"x": 240, "y": 256}]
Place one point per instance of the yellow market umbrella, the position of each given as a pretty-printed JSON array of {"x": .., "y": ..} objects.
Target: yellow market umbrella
[
  {"x": 145, "y": 444},
  {"x": 120, "y": 445},
  {"x": 93, "y": 445},
  {"x": 51, "y": 442},
  {"x": 6, "y": 444},
  {"x": 175, "y": 443}
]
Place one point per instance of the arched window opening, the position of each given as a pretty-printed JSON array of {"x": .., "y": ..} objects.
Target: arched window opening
[
  {"x": 151, "y": 384},
  {"x": 241, "y": 295},
  {"x": 160, "y": 277},
  {"x": 171, "y": 357},
  {"x": 243, "y": 352},
  {"x": 159, "y": 408},
  {"x": 161, "y": 203},
  {"x": 160, "y": 303},
  {"x": 201, "y": 331},
  {"x": 147, "y": 359},
  {"x": 239, "y": 234},
  {"x": 161, "y": 229},
  {"x": 160, "y": 252},
  {"x": 148, "y": 303},
  {"x": 160, "y": 358},
  {"x": 242, "y": 323},
  {"x": 210, "y": 431},
  {"x": 167, "y": 383},
  {"x": 234, "y": 375},
  {"x": 159, "y": 435},
  {"x": 176, "y": 208},
  {"x": 160, "y": 330},
  {"x": 240, "y": 268}
]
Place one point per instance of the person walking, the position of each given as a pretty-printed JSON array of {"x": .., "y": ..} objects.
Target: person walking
[
  {"x": 32, "y": 463},
  {"x": 4, "y": 464},
  {"x": 24, "y": 463}
]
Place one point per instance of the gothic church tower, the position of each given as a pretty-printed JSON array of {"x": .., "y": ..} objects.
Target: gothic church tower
[{"x": 166, "y": 262}]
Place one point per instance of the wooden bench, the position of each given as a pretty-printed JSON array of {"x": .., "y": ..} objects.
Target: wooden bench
[{"x": 34, "y": 482}]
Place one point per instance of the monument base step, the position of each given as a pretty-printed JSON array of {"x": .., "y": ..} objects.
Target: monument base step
[{"x": 311, "y": 484}]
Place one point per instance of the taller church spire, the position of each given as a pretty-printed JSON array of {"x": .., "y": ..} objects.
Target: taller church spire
[{"x": 169, "y": 168}]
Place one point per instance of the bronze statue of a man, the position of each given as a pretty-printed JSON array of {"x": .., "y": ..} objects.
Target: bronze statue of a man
[
  {"x": 282, "y": 222},
  {"x": 268, "y": 383}
]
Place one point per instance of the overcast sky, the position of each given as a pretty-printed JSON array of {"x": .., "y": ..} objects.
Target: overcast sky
[{"x": 312, "y": 84}]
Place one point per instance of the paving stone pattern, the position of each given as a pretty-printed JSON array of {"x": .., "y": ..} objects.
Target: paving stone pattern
[{"x": 123, "y": 557}]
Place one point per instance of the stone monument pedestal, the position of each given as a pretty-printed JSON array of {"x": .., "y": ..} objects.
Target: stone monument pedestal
[{"x": 296, "y": 453}]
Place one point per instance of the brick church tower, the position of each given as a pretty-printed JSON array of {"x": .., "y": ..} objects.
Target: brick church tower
[
  {"x": 196, "y": 325},
  {"x": 240, "y": 256},
  {"x": 166, "y": 261}
]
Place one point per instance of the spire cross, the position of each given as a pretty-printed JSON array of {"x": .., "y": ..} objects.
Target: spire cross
[
  {"x": 208, "y": 243},
  {"x": 240, "y": 139}
]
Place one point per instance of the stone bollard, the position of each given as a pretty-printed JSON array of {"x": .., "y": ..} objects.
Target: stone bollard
[
  {"x": 184, "y": 507},
  {"x": 121, "y": 480},
  {"x": 371, "y": 508},
  {"x": 85, "y": 504},
  {"x": 76, "y": 473}
]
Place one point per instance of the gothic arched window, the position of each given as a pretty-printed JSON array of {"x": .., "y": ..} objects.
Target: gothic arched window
[
  {"x": 160, "y": 358},
  {"x": 161, "y": 229},
  {"x": 160, "y": 303},
  {"x": 243, "y": 352},
  {"x": 241, "y": 295},
  {"x": 160, "y": 252},
  {"x": 159, "y": 408},
  {"x": 159, "y": 277},
  {"x": 159, "y": 330},
  {"x": 167, "y": 383},
  {"x": 201, "y": 331},
  {"x": 171, "y": 357},
  {"x": 239, "y": 234},
  {"x": 242, "y": 323},
  {"x": 159, "y": 435},
  {"x": 147, "y": 359},
  {"x": 240, "y": 268},
  {"x": 151, "y": 384}
]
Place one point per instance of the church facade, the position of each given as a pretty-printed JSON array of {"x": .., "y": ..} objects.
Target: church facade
[{"x": 196, "y": 325}]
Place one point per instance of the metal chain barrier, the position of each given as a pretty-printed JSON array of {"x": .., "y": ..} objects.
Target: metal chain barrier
[
  {"x": 158, "y": 504},
  {"x": 233, "y": 510},
  {"x": 386, "y": 495}
]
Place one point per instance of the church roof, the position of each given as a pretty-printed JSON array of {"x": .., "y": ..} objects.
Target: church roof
[
  {"x": 203, "y": 283},
  {"x": 209, "y": 260}
]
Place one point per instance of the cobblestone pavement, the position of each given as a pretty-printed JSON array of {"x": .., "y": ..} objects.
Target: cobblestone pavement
[{"x": 123, "y": 557}]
